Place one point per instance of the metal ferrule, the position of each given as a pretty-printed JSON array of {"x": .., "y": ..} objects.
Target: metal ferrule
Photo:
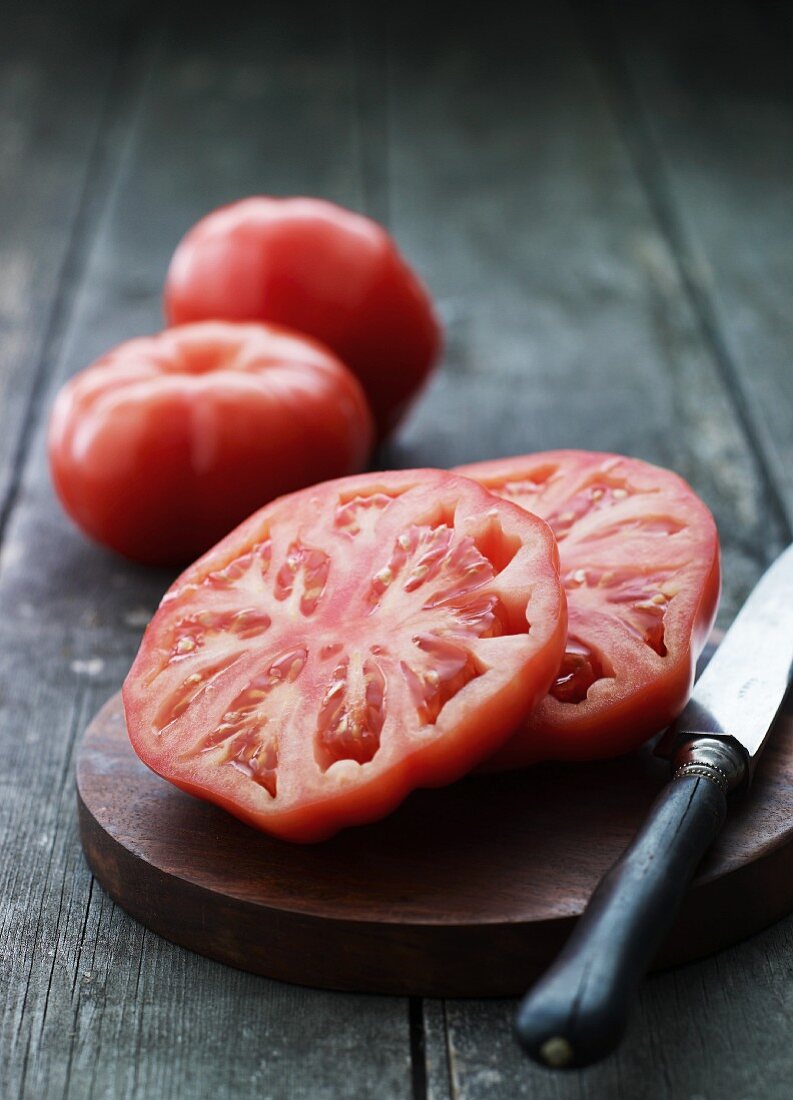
[{"x": 711, "y": 758}]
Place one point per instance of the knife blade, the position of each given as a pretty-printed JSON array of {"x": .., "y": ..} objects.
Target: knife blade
[
  {"x": 740, "y": 692},
  {"x": 577, "y": 1012}
]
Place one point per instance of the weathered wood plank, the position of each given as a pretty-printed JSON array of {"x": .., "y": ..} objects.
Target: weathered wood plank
[
  {"x": 715, "y": 1029},
  {"x": 436, "y": 1043},
  {"x": 56, "y": 86},
  {"x": 95, "y": 1006},
  {"x": 708, "y": 103},
  {"x": 568, "y": 323}
]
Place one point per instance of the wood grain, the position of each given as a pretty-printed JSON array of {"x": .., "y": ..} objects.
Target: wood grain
[
  {"x": 705, "y": 106},
  {"x": 52, "y": 162}
]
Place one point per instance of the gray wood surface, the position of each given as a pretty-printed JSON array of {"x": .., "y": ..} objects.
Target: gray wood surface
[
  {"x": 601, "y": 204},
  {"x": 706, "y": 106},
  {"x": 52, "y": 127},
  {"x": 569, "y": 324}
]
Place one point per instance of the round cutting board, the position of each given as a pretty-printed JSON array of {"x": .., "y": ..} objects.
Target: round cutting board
[{"x": 464, "y": 891}]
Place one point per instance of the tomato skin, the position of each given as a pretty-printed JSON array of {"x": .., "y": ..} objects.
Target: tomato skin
[
  {"x": 514, "y": 667},
  {"x": 167, "y": 442},
  {"x": 319, "y": 269},
  {"x": 637, "y": 691}
]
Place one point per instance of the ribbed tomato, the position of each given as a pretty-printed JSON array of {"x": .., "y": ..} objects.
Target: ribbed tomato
[
  {"x": 640, "y": 566},
  {"x": 345, "y": 645},
  {"x": 169, "y": 441},
  {"x": 319, "y": 269}
]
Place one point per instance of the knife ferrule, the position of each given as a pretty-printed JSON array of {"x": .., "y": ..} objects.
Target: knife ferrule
[{"x": 714, "y": 758}]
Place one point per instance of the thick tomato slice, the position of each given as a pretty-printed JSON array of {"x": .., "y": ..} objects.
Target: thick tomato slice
[
  {"x": 169, "y": 441},
  {"x": 319, "y": 269},
  {"x": 345, "y": 645},
  {"x": 640, "y": 567}
]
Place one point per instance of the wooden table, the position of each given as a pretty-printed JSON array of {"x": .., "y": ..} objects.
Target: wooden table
[{"x": 602, "y": 203}]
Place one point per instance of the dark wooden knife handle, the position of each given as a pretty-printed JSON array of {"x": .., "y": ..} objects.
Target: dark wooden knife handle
[{"x": 577, "y": 1012}]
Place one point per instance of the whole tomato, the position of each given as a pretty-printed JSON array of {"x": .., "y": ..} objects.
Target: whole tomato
[
  {"x": 169, "y": 441},
  {"x": 319, "y": 269}
]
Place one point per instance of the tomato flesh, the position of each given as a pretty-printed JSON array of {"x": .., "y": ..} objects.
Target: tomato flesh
[
  {"x": 322, "y": 270},
  {"x": 347, "y": 644},
  {"x": 167, "y": 442},
  {"x": 640, "y": 566}
]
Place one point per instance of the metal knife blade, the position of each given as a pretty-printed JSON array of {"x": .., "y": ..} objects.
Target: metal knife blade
[{"x": 741, "y": 691}]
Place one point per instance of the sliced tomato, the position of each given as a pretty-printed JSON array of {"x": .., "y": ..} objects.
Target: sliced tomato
[
  {"x": 345, "y": 645},
  {"x": 640, "y": 566}
]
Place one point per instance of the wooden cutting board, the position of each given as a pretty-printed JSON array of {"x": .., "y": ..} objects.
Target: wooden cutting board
[{"x": 464, "y": 891}]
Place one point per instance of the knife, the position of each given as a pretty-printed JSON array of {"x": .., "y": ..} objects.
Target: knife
[{"x": 577, "y": 1012}]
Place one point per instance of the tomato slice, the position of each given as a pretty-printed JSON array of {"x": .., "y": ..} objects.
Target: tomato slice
[
  {"x": 347, "y": 644},
  {"x": 640, "y": 566}
]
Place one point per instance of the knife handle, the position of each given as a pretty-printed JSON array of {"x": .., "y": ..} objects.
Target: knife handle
[{"x": 577, "y": 1012}]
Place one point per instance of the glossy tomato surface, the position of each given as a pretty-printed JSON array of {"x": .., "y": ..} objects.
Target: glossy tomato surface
[
  {"x": 319, "y": 269},
  {"x": 345, "y": 645},
  {"x": 167, "y": 442},
  {"x": 640, "y": 566}
]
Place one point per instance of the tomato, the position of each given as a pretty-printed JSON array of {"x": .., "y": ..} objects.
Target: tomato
[
  {"x": 169, "y": 441},
  {"x": 345, "y": 645},
  {"x": 640, "y": 566},
  {"x": 322, "y": 270}
]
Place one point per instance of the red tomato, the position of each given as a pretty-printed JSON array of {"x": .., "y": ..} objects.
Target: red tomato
[
  {"x": 347, "y": 644},
  {"x": 169, "y": 441},
  {"x": 640, "y": 566},
  {"x": 321, "y": 270}
]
